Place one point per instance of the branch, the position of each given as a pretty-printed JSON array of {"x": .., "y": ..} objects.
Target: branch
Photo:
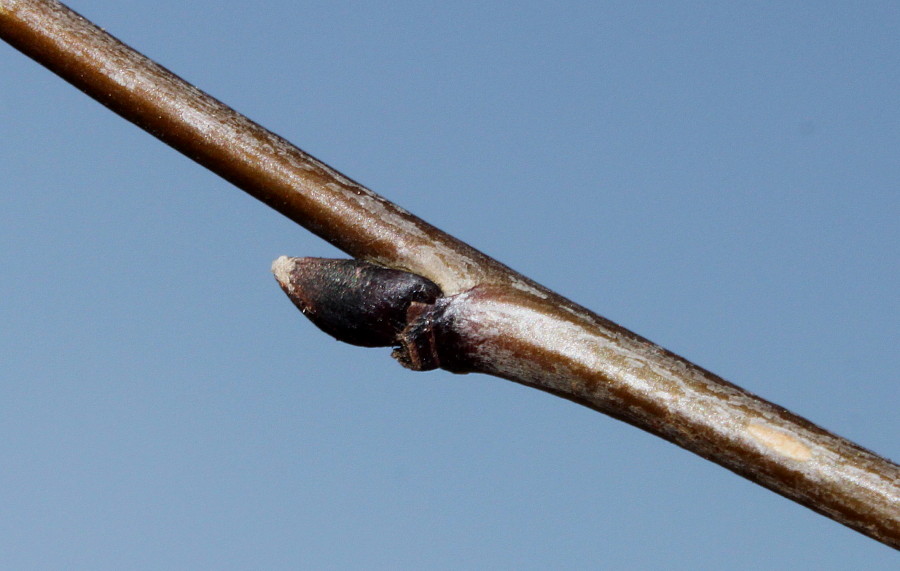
[{"x": 481, "y": 316}]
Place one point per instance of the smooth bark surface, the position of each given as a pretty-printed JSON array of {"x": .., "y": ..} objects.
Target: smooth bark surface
[{"x": 494, "y": 320}]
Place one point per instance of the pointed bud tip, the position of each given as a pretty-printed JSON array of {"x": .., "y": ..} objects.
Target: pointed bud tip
[{"x": 282, "y": 269}]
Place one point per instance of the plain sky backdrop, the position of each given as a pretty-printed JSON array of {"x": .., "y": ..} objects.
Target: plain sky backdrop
[{"x": 723, "y": 178}]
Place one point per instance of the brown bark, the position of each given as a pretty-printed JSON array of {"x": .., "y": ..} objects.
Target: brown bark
[{"x": 493, "y": 320}]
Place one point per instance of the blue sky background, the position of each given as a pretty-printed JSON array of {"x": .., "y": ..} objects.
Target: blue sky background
[{"x": 721, "y": 178}]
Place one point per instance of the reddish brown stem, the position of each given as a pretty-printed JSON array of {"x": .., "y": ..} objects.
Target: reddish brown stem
[{"x": 493, "y": 320}]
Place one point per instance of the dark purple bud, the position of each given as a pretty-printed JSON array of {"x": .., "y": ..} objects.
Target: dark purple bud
[{"x": 355, "y": 302}]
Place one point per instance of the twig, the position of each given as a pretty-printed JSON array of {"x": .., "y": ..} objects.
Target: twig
[{"x": 488, "y": 318}]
